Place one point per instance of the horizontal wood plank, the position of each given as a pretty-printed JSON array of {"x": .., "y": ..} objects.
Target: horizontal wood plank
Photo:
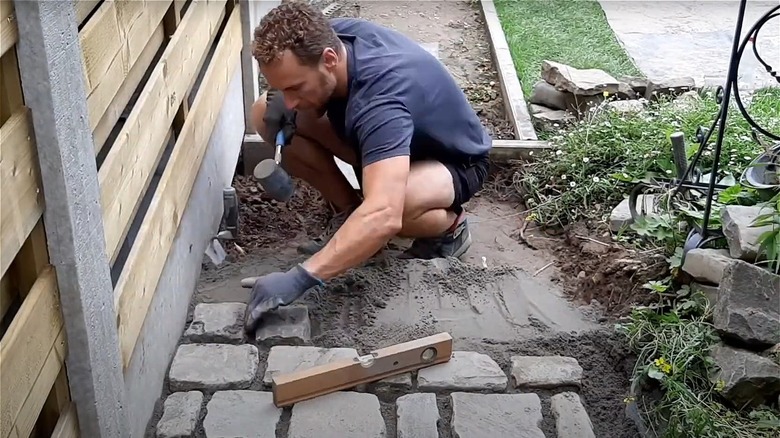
[
  {"x": 84, "y": 8},
  {"x": 137, "y": 283},
  {"x": 26, "y": 346},
  {"x": 114, "y": 110},
  {"x": 9, "y": 33},
  {"x": 68, "y": 424},
  {"x": 112, "y": 42},
  {"x": 129, "y": 165},
  {"x": 31, "y": 409},
  {"x": 22, "y": 198}
]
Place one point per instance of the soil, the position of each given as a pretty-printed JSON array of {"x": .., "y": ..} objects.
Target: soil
[{"x": 508, "y": 294}]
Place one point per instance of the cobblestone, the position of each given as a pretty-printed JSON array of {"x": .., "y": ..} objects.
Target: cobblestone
[
  {"x": 216, "y": 322},
  {"x": 285, "y": 358},
  {"x": 241, "y": 414},
  {"x": 213, "y": 367},
  {"x": 466, "y": 371},
  {"x": 338, "y": 415},
  {"x": 545, "y": 371},
  {"x": 418, "y": 416},
  {"x": 496, "y": 415},
  {"x": 181, "y": 412},
  {"x": 571, "y": 419},
  {"x": 286, "y": 326}
]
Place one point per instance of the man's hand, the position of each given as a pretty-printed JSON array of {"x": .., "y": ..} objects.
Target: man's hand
[
  {"x": 274, "y": 290},
  {"x": 277, "y": 117}
]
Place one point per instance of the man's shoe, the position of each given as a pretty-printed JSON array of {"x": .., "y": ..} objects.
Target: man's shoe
[
  {"x": 315, "y": 245},
  {"x": 452, "y": 244}
]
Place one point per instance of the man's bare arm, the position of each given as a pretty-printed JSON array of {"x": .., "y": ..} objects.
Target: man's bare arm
[{"x": 371, "y": 225}]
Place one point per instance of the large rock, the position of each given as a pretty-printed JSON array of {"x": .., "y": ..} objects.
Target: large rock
[
  {"x": 546, "y": 95},
  {"x": 669, "y": 87},
  {"x": 621, "y": 214},
  {"x": 418, "y": 416},
  {"x": 581, "y": 82},
  {"x": 181, "y": 412},
  {"x": 748, "y": 307},
  {"x": 546, "y": 371},
  {"x": 706, "y": 264},
  {"x": 341, "y": 414},
  {"x": 741, "y": 236},
  {"x": 748, "y": 379},
  {"x": 496, "y": 415}
]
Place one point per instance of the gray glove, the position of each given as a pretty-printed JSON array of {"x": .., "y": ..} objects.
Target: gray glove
[
  {"x": 274, "y": 290},
  {"x": 278, "y": 118}
]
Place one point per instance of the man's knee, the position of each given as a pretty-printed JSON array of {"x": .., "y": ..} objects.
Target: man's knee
[{"x": 258, "y": 113}]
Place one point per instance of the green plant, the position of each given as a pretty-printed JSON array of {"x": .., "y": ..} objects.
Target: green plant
[
  {"x": 594, "y": 163},
  {"x": 769, "y": 240},
  {"x": 673, "y": 345}
]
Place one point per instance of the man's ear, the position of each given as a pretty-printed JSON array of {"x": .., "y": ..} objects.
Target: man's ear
[{"x": 330, "y": 58}]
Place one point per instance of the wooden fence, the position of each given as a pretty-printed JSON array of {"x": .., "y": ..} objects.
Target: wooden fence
[{"x": 155, "y": 75}]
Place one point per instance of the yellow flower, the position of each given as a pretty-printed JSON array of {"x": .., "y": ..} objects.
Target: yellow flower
[
  {"x": 719, "y": 385},
  {"x": 663, "y": 365}
]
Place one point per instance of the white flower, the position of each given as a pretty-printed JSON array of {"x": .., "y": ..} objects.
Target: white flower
[
  {"x": 596, "y": 179},
  {"x": 563, "y": 176},
  {"x": 585, "y": 159},
  {"x": 669, "y": 172},
  {"x": 559, "y": 152},
  {"x": 572, "y": 184}
]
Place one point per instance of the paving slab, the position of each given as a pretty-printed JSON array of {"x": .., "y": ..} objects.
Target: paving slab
[
  {"x": 692, "y": 39},
  {"x": 213, "y": 367},
  {"x": 243, "y": 413},
  {"x": 286, "y": 358},
  {"x": 418, "y": 416},
  {"x": 465, "y": 371},
  {"x": 571, "y": 419},
  {"x": 289, "y": 325},
  {"x": 496, "y": 415},
  {"x": 217, "y": 322},
  {"x": 181, "y": 412},
  {"x": 338, "y": 415},
  {"x": 545, "y": 371}
]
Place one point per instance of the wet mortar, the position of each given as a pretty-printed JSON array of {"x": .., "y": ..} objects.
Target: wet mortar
[{"x": 502, "y": 299}]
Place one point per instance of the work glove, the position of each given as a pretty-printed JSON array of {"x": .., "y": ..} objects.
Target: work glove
[
  {"x": 277, "y": 117},
  {"x": 274, "y": 290}
]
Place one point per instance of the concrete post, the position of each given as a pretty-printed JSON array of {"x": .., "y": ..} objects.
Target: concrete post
[{"x": 52, "y": 82}]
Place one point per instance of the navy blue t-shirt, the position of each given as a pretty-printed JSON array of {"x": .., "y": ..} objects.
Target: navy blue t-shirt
[{"x": 402, "y": 100}]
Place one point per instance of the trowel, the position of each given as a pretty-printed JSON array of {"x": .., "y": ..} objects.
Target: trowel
[{"x": 271, "y": 177}]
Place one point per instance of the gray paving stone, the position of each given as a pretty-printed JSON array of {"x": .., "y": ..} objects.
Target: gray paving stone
[
  {"x": 400, "y": 381},
  {"x": 217, "y": 322},
  {"x": 338, "y": 415},
  {"x": 213, "y": 367},
  {"x": 466, "y": 371},
  {"x": 241, "y": 414},
  {"x": 545, "y": 371},
  {"x": 418, "y": 416},
  {"x": 286, "y": 358},
  {"x": 289, "y": 325},
  {"x": 181, "y": 412},
  {"x": 496, "y": 415},
  {"x": 571, "y": 419}
]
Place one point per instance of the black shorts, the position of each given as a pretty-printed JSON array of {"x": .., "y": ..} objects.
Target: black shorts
[{"x": 467, "y": 179}]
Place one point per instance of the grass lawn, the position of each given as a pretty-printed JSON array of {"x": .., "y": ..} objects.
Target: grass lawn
[{"x": 571, "y": 32}]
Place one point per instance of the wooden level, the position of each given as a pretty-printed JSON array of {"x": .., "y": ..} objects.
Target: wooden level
[{"x": 290, "y": 388}]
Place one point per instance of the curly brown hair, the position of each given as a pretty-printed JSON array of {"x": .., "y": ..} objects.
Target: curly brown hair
[{"x": 294, "y": 26}]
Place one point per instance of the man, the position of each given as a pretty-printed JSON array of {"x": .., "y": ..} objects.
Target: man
[{"x": 375, "y": 99}]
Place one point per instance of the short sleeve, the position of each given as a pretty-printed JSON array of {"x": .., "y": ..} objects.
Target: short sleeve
[{"x": 383, "y": 125}]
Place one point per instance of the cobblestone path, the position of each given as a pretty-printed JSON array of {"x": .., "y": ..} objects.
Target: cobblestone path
[{"x": 220, "y": 387}]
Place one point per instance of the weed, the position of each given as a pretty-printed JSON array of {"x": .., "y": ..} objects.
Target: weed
[
  {"x": 769, "y": 240},
  {"x": 673, "y": 345}
]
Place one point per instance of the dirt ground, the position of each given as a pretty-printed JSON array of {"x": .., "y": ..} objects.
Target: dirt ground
[{"x": 518, "y": 290}]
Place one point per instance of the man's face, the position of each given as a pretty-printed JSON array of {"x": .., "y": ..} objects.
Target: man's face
[{"x": 305, "y": 87}]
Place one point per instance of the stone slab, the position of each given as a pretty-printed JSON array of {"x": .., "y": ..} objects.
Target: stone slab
[
  {"x": 748, "y": 379},
  {"x": 213, "y": 367},
  {"x": 286, "y": 358},
  {"x": 706, "y": 264},
  {"x": 741, "y": 236},
  {"x": 241, "y": 414},
  {"x": 545, "y": 371},
  {"x": 571, "y": 419},
  {"x": 338, "y": 415},
  {"x": 418, "y": 416},
  {"x": 496, "y": 415},
  {"x": 217, "y": 322},
  {"x": 289, "y": 325},
  {"x": 181, "y": 412},
  {"x": 621, "y": 214},
  {"x": 747, "y": 312},
  {"x": 465, "y": 371}
]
